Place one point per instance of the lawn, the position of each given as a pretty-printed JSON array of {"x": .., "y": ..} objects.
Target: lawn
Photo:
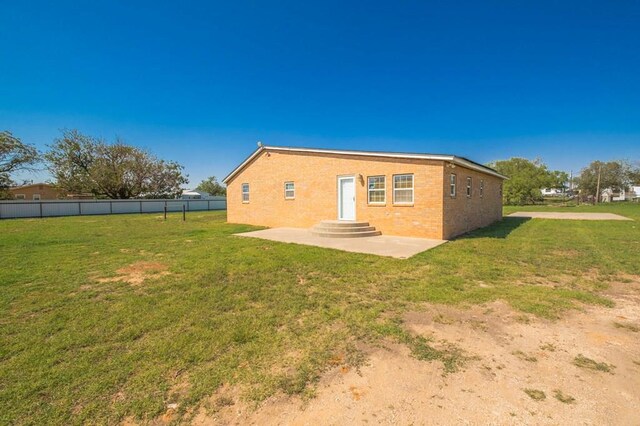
[{"x": 109, "y": 317}]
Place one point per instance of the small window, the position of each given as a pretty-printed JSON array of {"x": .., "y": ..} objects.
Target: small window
[
  {"x": 245, "y": 192},
  {"x": 289, "y": 190},
  {"x": 403, "y": 189},
  {"x": 20, "y": 197},
  {"x": 452, "y": 185},
  {"x": 36, "y": 197},
  {"x": 469, "y": 187},
  {"x": 377, "y": 189},
  {"x": 481, "y": 187}
]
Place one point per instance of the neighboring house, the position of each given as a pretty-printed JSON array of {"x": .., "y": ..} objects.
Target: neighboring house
[
  {"x": 36, "y": 191},
  {"x": 633, "y": 193},
  {"x": 420, "y": 195},
  {"x": 552, "y": 192},
  {"x": 194, "y": 194}
]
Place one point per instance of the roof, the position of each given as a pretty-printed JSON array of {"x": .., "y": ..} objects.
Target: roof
[
  {"x": 461, "y": 161},
  {"x": 33, "y": 184},
  {"x": 194, "y": 192}
]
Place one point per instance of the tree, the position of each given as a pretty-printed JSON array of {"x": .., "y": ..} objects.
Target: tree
[
  {"x": 82, "y": 164},
  {"x": 599, "y": 175},
  {"x": 15, "y": 155},
  {"x": 526, "y": 180},
  {"x": 211, "y": 186}
]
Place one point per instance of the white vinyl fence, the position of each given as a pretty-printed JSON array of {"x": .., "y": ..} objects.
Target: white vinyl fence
[{"x": 50, "y": 208}]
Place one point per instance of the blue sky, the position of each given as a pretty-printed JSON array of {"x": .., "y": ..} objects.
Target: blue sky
[{"x": 201, "y": 82}]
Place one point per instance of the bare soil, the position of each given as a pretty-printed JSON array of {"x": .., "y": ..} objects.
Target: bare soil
[{"x": 523, "y": 370}]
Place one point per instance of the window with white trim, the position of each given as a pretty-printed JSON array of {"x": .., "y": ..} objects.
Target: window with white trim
[
  {"x": 452, "y": 185},
  {"x": 377, "y": 189},
  {"x": 402, "y": 189},
  {"x": 469, "y": 187},
  {"x": 289, "y": 190},
  {"x": 481, "y": 187},
  {"x": 36, "y": 197},
  {"x": 245, "y": 192},
  {"x": 20, "y": 197}
]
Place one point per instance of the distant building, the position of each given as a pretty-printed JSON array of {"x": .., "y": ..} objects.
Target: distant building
[
  {"x": 552, "y": 192},
  {"x": 45, "y": 191},
  {"x": 194, "y": 194},
  {"x": 36, "y": 192},
  {"x": 632, "y": 194}
]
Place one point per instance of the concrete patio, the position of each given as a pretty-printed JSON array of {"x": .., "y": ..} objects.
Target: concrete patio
[
  {"x": 569, "y": 216},
  {"x": 381, "y": 245}
]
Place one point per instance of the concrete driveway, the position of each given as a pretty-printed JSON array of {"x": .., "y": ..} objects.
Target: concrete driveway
[
  {"x": 381, "y": 245},
  {"x": 569, "y": 216}
]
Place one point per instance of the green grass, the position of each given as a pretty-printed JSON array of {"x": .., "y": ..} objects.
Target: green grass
[{"x": 262, "y": 316}]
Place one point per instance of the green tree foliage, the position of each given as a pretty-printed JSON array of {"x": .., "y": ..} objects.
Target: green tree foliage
[
  {"x": 15, "y": 155},
  {"x": 82, "y": 164},
  {"x": 526, "y": 180},
  {"x": 211, "y": 186},
  {"x": 617, "y": 175}
]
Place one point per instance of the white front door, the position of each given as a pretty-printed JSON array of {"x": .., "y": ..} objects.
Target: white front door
[{"x": 347, "y": 198}]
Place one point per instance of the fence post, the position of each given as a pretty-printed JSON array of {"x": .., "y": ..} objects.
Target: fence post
[
  {"x": 208, "y": 205},
  {"x": 184, "y": 213},
  {"x": 110, "y": 207},
  {"x": 79, "y": 208},
  {"x": 140, "y": 207},
  {"x": 165, "y": 210},
  {"x": 40, "y": 209}
]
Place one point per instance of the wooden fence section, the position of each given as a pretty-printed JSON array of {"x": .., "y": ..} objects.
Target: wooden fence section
[{"x": 52, "y": 208}]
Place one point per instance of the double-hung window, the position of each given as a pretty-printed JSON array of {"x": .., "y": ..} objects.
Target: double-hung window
[
  {"x": 469, "y": 187},
  {"x": 289, "y": 190},
  {"x": 481, "y": 187},
  {"x": 245, "y": 192},
  {"x": 452, "y": 185},
  {"x": 377, "y": 189},
  {"x": 403, "y": 189}
]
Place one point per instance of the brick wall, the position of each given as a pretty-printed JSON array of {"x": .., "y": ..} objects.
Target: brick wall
[
  {"x": 315, "y": 177},
  {"x": 462, "y": 213},
  {"x": 46, "y": 192}
]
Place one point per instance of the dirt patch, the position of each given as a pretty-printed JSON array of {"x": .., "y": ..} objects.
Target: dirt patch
[
  {"x": 521, "y": 372},
  {"x": 138, "y": 272}
]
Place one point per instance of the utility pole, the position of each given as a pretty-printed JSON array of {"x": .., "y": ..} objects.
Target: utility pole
[{"x": 598, "y": 185}]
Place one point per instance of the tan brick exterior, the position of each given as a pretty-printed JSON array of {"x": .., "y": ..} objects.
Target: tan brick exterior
[
  {"x": 316, "y": 194},
  {"x": 46, "y": 191},
  {"x": 462, "y": 213}
]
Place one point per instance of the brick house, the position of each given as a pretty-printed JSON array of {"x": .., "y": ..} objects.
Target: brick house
[
  {"x": 36, "y": 192},
  {"x": 419, "y": 195}
]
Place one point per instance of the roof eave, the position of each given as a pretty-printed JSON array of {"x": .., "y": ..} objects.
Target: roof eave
[{"x": 451, "y": 158}]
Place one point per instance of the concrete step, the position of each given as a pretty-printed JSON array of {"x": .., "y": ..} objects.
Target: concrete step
[
  {"x": 346, "y": 234},
  {"x": 326, "y": 228},
  {"x": 344, "y": 229},
  {"x": 343, "y": 223}
]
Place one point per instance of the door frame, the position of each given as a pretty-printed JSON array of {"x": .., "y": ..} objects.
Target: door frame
[{"x": 355, "y": 210}]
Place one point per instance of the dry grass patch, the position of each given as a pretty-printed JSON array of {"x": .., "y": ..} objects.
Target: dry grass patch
[
  {"x": 535, "y": 394},
  {"x": 584, "y": 362},
  {"x": 631, "y": 327},
  {"x": 138, "y": 272},
  {"x": 562, "y": 397}
]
